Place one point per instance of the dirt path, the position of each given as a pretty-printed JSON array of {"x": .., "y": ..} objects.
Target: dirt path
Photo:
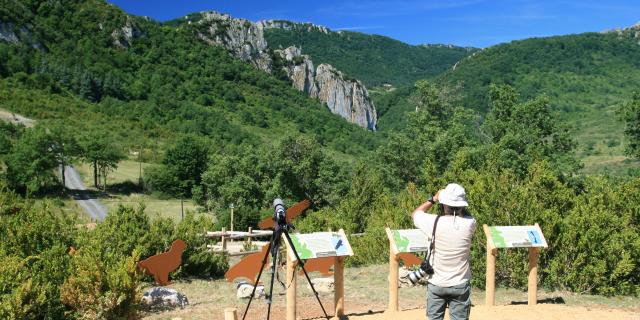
[
  {"x": 16, "y": 118},
  {"x": 366, "y": 290},
  {"x": 520, "y": 312}
]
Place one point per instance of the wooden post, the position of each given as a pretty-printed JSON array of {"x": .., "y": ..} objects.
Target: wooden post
[
  {"x": 490, "y": 289},
  {"x": 292, "y": 287},
  {"x": 533, "y": 278},
  {"x": 224, "y": 240},
  {"x": 394, "y": 264},
  {"x": 230, "y": 314},
  {"x": 338, "y": 287}
]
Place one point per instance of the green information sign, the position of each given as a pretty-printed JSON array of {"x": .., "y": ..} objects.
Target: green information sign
[
  {"x": 517, "y": 236},
  {"x": 408, "y": 240},
  {"x": 321, "y": 244}
]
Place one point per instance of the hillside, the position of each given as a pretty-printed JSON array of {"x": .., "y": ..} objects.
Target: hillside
[
  {"x": 586, "y": 76},
  {"x": 373, "y": 59},
  {"x": 164, "y": 81}
]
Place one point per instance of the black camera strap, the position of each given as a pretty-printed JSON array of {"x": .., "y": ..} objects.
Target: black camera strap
[{"x": 432, "y": 246}]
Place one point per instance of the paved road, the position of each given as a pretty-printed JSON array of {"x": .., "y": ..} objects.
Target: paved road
[{"x": 83, "y": 196}]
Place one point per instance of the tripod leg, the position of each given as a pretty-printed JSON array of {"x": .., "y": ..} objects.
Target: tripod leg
[
  {"x": 274, "y": 266},
  {"x": 255, "y": 285},
  {"x": 286, "y": 234}
]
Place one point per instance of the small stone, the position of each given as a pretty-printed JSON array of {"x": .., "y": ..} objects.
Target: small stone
[
  {"x": 163, "y": 298},
  {"x": 244, "y": 290}
]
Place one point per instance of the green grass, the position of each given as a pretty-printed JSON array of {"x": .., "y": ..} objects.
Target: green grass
[
  {"x": 169, "y": 208},
  {"x": 601, "y": 141},
  {"x": 128, "y": 170}
]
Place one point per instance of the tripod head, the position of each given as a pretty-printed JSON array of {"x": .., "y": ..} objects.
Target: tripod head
[
  {"x": 279, "y": 213},
  {"x": 282, "y": 216}
]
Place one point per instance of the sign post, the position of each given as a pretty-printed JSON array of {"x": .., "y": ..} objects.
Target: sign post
[
  {"x": 315, "y": 246},
  {"x": 292, "y": 287},
  {"x": 402, "y": 245},
  {"x": 500, "y": 237}
]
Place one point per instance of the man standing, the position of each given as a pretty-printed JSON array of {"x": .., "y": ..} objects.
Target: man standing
[{"x": 450, "y": 283}]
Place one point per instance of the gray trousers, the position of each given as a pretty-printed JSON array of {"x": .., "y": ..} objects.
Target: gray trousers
[{"x": 458, "y": 298}]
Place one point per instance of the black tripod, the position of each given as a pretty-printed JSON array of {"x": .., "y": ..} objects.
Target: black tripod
[{"x": 274, "y": 245}]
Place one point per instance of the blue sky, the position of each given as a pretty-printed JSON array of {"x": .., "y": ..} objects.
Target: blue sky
[{"x": 478, "y": 23}]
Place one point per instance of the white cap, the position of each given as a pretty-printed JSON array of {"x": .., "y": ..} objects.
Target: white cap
[{"x": 453, "y": 195}]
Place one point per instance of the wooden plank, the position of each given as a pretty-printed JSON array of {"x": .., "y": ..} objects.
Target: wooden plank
[
  {"x": 238, "y": 234},
  {"x": 338, "y": 286},
  {"x": 487, "y": 233},
  {"x": 393, "y": 279},
  {"x": 533, "y": 276},
  {"x": 392, "y": 243},
  {"x": 230, "y": 314},
  {"x": 292, "y": 287},
  {"x": 224, "y": 241},
  {"x": 490, "y": 290}
]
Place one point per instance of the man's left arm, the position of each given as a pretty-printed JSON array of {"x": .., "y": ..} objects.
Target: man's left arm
[{"x": 425, "y": 206}]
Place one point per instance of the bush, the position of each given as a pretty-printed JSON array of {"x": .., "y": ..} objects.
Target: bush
[
  {"x": 197, "y": 260},
  {"x": 103, "y": 285},
  {"x": 34, "y": 259}
]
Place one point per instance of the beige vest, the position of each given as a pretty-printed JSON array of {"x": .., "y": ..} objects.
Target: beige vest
[{"x": 453, "y": 245}]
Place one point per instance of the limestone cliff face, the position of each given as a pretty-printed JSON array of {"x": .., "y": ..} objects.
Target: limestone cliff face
[
  {"x": 288, "y": 25},
  {"x": 7, "y": 33},
  {"x": 246, "y": 41},
  {"x": 349, "y": 99},
  {"x": 13, "y": 34},
  {"x": 124, "y": 36},
  {"x": 241, "y": 37}
]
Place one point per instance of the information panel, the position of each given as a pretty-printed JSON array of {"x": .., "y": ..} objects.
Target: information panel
[
  {"x": 408, "y": 240},
  {"x": 321, "y": 244},
  {"x": 517, "y": 236}
]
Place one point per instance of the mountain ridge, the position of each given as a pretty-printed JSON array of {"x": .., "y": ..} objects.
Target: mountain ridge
[{"x": 245, "y": 39}]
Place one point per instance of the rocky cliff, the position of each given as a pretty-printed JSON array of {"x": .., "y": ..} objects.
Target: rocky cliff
[
  {"x": 245, "y": 39},
  {"x": 241, "y": 37},
  {"x": 123, "y": 37},
  {"x": 288, "y": 25},
  {"x": 349, "y": 99},
  {"x": 13, "y": 34}
]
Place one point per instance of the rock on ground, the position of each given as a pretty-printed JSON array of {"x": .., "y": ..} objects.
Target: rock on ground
[
  {"x": 163, "y": 298},
  {"x": 244, "y": 290}
]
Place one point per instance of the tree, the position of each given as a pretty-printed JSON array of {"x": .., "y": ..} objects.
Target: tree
[
  {"x": 631, "y": 115},
  {"x": 99, "y": 150},
  {"x": 524, "y": 132},
  {"x": 187, "y": 160},
  {"x": 65, "y": 148},
  {"x": 31, "y": 162},
  {"x": 435, "y": 131}
]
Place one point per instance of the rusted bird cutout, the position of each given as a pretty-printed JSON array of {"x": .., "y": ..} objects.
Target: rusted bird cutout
[
  {"x": 409, "y": 259},
  {"x": 248, "y": 267},
  {"x": 322, "y": 265},
  {"x": 160, "y": 265}
]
